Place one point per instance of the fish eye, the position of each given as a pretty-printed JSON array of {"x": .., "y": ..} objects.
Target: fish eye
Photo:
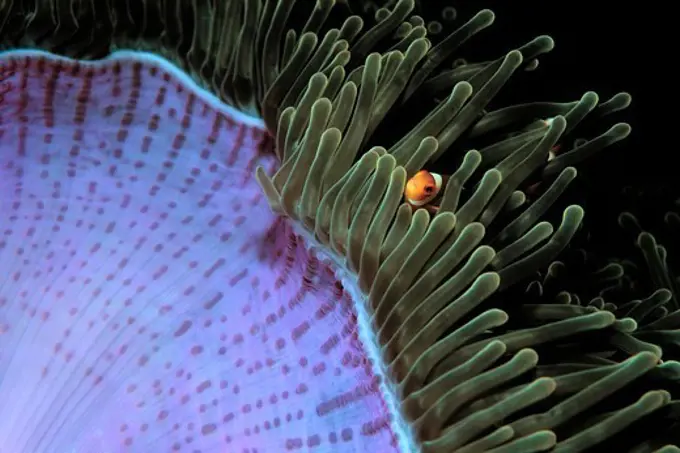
[{"x": 429, "y": 189}]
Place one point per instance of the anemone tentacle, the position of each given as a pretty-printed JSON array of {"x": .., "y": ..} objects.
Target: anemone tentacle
[{"x": 348, "y": 320}]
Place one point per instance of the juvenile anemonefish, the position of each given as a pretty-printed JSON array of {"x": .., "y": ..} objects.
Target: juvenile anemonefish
[
  {"x": 553, "y": 153},
  {"x": 533, "y": 189},
  {"x": 555, "y": 149},
  {"x": 424, "y": 190}
]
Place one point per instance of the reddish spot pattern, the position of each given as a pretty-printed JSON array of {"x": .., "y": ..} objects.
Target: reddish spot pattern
[{"x": 150, "y": 300}]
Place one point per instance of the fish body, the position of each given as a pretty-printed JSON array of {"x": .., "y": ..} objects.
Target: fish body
[{"x": 425, "y": 190}]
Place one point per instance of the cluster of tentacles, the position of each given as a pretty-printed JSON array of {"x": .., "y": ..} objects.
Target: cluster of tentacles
[
  {"x": 637, "y": 281},
  {"x": 473, "y": 365}
]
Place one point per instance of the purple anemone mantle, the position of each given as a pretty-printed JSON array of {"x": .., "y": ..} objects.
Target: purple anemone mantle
[{"x": 149, "y": 299}]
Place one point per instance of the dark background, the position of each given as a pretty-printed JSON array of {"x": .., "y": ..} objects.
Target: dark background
[
  {"x": 608, "y": 47},
  {"x": 604, "y": 47}
]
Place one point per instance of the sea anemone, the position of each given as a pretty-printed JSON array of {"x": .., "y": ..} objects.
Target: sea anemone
[{"x": 180, "y": 276}]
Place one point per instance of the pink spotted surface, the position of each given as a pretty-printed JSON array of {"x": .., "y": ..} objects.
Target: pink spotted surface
[{"x": 149, "y": 299}]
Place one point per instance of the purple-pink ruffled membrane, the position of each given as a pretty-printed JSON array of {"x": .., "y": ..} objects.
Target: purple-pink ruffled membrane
[{"x": 149, "y": 299}]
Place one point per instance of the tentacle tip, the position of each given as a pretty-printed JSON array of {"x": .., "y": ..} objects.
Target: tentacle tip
[
  {"x": 503, "y": 317},
  {"x": 261, "y": 174},
  {"x": 375, "y": 56},
  {"x": 474, "y": 155},
  {"x": 463, "y": 88},
  {"x": 558, "y": 123},
  {"x": 549, "y": 437},
  {"x": 498, "y": 344},
  {"x": 570, "y": 172},
  {"x": 546, "y": 41},
  {"x": 529, "y": 355},
  {"x": 631, "y": 324},
  {"x": 575, "y": 211},
  {"x": 648, "y": 356},
  {"x": 621, "y": 130},
  {"x": 645, "y": 240},
  {"x": 625, "y": 98},
  {"x": 608, "y": 317},
  {"x": 625, "y": 217},
  {"x": 487, "y": 16},
  {"x": 590, "y": 97},
  {"x": 493, "y": 279},
  {"x": 514, "y": 57}
]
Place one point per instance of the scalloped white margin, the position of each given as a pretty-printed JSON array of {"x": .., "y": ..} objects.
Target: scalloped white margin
[
  {"x": 147, "y": 58},
  {"x": 401, "y": 428},
  {"x": 406, "y": 438}
]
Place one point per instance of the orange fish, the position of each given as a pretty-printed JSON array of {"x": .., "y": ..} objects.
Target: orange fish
[{"x": 423, "y": 189}]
